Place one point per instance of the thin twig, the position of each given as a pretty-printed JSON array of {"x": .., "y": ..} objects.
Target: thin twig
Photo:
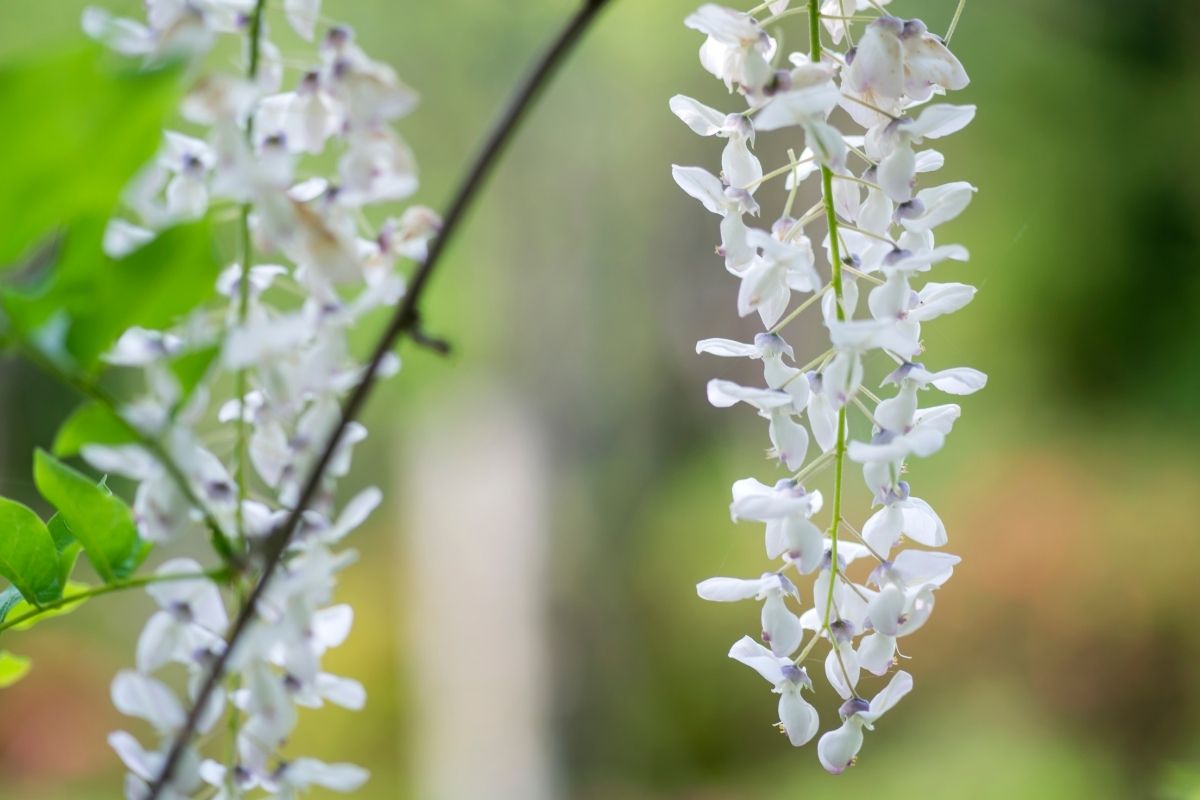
[
  {"x": 404, "y": 321},
  {"x": 221, "y": 575}
]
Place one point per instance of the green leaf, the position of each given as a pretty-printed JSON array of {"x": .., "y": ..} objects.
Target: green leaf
[
  {"x": 102, "y": 522},
  {"x": 12, "y": 668},
  {"x": 90, "y": 423},
  {"x": 9, "y": 599},
  {"x": 28, "y": 557},
  {"x": 77, "y": 310},
  {"x": 70, "y": 158},
  {"x": 21, "y": 608},
  {"x": 67, "y": 545}
]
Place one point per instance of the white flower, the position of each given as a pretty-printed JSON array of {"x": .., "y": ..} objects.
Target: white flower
[
  {"x": 190, "y": 624},
  {"x": 879, "y": 222},
  {"x": 736, "y": 51},
  {"x": 754, "y": 500},
  {"x": 912, "y": 517},
  {"x": 298, "y": 776},
  {"x": 811, "y": 95},
  {"x": 897, "y": 62},
  {"x": 138, "y": 695},
  {"x": 730, "y": 204},
  {"x": 144, "y": 766},
  {"x": 837, "y": 749},
  {"x": 139, "y": 347},
  {"x": 923, "y": 437},
  {"x": 798, "y": 717},
  {"x": 780, "y": 627},
  {"x": 740, "y": 167}
]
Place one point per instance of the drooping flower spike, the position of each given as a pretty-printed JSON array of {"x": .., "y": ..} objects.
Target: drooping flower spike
[
  {"x": 286, "y": 357},
  {"x": 860, "y": 118}
]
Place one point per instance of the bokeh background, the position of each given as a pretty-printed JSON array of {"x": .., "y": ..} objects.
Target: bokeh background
[{"x": 526, "y": 620}]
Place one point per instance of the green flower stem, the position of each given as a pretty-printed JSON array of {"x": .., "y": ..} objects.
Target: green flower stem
[
  {"x": 241, "y": 386},
  {"x": 839, "y": 452},
  {"x": 954, "y": 22},
  {"x": 247, "y": 255},
  {"x": 218, "y": 575}
]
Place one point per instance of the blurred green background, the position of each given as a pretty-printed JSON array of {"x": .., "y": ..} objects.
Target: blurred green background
[{"x": 1064, "y": 659}]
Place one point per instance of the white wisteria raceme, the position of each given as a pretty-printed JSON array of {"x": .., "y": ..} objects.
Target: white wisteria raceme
[
  {"x": 859, "y": 109},
  {"x": 247, "y": 435}
]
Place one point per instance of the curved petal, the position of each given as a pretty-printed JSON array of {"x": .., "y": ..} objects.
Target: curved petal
[
  {"x": 837, "y": 749},
  {"x": 799, "y": 718}
]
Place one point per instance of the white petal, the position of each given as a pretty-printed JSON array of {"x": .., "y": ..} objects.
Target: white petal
[
  {"x": 753, "y": 500},
  {"x": 882, "y": 530},
  {"x": 942, "y": 204},
  {"x": 876, "y": 652},
  {"x": 697, "y": 116},
  {"x": 799, "y": 718},
  {"x": 759, "y": 659},
  {"x": 842, "y": 680},
  {"x": 332, "y": 625},
  {"x": 344, "y": 692},
  {"x": 302, "y": 15},
  {"x": 920, "y": 567},
  {"x": 740, "y": 167},
  {"x": 356, "y": 512},
  {"x": 920, "y": 607},
  {"x": 781, "y": 628},
  {"x": 922, "y": 524},
  {"x": 886, "y": 609},
  {"x": 728, "y": 590},
  {"x": 938, "y": 299},
  {"x": 959, "y": 380},
  {"x": 727, "y": 348},
  {"x": 790, "y": 439},
  {"x": 896, "y": 174},
  {"x": 122, "y": 238},
  {"x": 304, "y": 772},
  {"x": 941, "y": 119},
  {"x": 703, "y": 186},
  {"x": 159, "y": 642},
  {"x": 137, "y": 695},
  {"x": 804, "y": 543},
  {"x": 134, "y": 756},
  {"x": 724, "y": 394},
  {"x": 836, "y": 749},
  {"x": 900, "y": 685}
]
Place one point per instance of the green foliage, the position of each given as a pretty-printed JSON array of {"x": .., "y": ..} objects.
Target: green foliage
[
  {"x": 12, "y": 668},
  {"x": 77, "y": 127},
  {"x": 102, "y": 522},
  {"x": 21, "y": 608},
  {"x": 10, "y": 598},
  {"x": 68, "y": 546},
  {"x": 91, "y": 423},
  {"x": 28, "y": 556},
  {"x": 76, "y": 312}
]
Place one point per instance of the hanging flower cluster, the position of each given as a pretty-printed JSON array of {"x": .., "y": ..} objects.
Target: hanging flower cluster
[
  {"x": 875, "y": 224},
  {"x": 246, "y": 436}
]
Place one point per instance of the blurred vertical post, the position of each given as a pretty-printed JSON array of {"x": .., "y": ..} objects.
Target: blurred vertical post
[{"x": 475, "y": 506}]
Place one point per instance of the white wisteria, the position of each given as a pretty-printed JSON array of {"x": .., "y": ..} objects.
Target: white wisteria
[
  {"x": 860, "y": 107},
  {"x": 309, "y": 267}
]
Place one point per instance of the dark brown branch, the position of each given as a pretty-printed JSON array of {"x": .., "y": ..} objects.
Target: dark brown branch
[{"x": 405, "y": 322}]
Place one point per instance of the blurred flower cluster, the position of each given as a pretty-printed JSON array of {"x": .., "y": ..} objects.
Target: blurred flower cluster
[
  {"x": 877, "y": 214},
  {"x": 242, "y": 441}
]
